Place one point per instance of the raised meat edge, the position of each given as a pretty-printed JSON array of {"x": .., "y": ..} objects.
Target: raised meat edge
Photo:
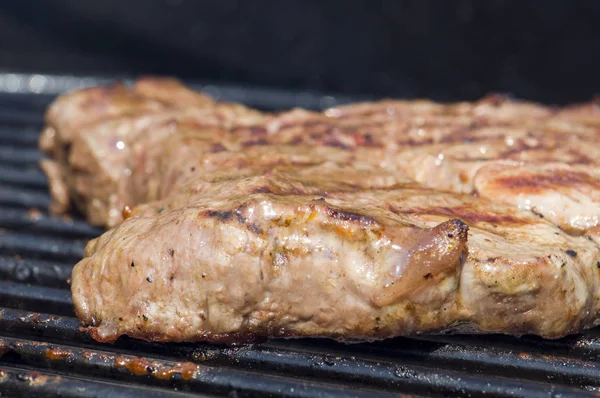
[{"x": 315, "y": 270}]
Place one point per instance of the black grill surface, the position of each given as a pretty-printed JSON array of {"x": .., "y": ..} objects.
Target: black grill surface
[{"x": 43, "y": 352}]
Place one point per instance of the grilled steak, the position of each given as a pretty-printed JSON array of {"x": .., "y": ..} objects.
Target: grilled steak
[
  {"x": 284, "y": 255},
  {"x": 362, "y": 222}
]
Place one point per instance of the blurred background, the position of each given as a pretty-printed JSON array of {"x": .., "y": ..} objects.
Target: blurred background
[{"x": 546, "y": 50}]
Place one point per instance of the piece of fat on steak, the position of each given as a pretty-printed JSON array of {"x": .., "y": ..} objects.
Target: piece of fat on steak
[{"x": 353, "y": 265}]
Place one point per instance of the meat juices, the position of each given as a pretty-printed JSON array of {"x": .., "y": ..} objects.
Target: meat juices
[{"x": 363, "y": 222}]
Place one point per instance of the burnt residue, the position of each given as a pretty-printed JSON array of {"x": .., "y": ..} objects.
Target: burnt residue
[
  {"x": 139, "y": 366},
  {"x": 34, "y": 378},
  {"x": 221, "y": 215},
  {"x": 368, "y": 139},
  {"x": 35, "y": 318},
  {"x": 58, "y": 353},
  {"x": 261, "y": 189},
  {"x": 239, "y": 215},
  {"x": 343, "y": 215},
  {"x": 136, "y": 366},
  {"x": 144, "y": 367},
  {"x": 571, "y": 253},
  {"x": 461, "y": 229},
  {"x": 255, "y": 228},
  {"x": 4, "y": 348},
  {"x": 93, "y": 355}
]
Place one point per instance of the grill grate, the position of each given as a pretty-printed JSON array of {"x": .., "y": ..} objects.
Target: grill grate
[{"x": 43, "y": 352}]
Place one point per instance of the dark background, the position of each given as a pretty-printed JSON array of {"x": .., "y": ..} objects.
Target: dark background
[{"x": 542, "y": 50}]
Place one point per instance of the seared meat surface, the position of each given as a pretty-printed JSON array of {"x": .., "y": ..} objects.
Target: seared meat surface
[{"x": 362, "y": 222}]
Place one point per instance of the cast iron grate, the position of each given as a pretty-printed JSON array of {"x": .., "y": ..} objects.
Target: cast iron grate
[{"x": 43, "y": 353}]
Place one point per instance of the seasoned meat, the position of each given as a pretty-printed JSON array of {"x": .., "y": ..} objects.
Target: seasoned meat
[
  {"x": 273, "y": 256},
  {"x": 361, "y": 222}
]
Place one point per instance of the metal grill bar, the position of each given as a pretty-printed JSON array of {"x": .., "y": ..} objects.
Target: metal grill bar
[
  {"x": 25, "y": 137},
  {"x": 23, "y": 198},
  {"x": 158, "y": 372},
  {"x": 36, "y": 272},
  {"x": 24, "y": 296},
  {"x": 30, "y": 383},
  {"x": 42, "y": 246},
  {"x": 17, "y": 176},
  {"x": 39, "y": 223},
  {"x": 362, "y": 365},
  {"x": 45, "y": 353},
  {"x": 18, "y": 156}
]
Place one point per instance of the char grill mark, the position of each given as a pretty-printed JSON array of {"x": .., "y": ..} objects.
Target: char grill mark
[
  {"x": 558, "y": 178},
  {"x": 471, "y": 216}
]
